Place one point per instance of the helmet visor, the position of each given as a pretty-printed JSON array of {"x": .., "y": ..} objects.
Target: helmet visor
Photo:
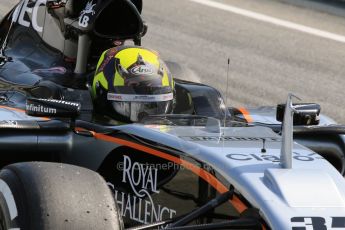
[{"x": 135, "y": 111}]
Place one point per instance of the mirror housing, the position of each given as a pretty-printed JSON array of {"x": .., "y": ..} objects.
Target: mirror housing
[
  {"x": 138, "y": 4},
  {"x": 308, "y": 113},
  {"x": 38, "y": 107},
  {"x": 119, "y": 20}
]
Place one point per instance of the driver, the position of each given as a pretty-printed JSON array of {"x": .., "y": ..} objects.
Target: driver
[{"x": 132, "y": 82}]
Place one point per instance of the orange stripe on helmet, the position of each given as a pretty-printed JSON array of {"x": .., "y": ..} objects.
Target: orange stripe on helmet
[
  {"x": 209, "y": 178},
  {"x": 246, "y": 114}
]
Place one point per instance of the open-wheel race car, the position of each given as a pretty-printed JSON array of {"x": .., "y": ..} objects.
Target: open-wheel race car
[{"x": 204, "y": 166}]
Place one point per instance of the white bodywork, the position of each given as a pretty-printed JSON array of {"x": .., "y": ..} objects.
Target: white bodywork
[{"x": 312, "y": 188}]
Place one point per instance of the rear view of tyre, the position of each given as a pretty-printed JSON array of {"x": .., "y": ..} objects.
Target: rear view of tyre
[{"x": 37, "y": 196}]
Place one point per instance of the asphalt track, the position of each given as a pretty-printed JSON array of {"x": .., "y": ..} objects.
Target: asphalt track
[{"x": 275, "y": 48}]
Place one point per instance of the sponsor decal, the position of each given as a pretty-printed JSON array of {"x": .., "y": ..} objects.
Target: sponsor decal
[
  {"x": 272, "y": 158},
  {"x": 39, "y": 106},
  {"x": 229, "y": 138},
  {"x": 114, "y": 97},
  {"x": 144, "y": 98},
  {"x": 317, "y": 223},
  {"x": 85, "y": 14},
  {"x": 8, "y": 123},
  {"x": 167, "y": 97},
  {"x": 140, "y": 98},
  {"x": 142, "y": 69},
  {"x": 23, "y": 8},
  {"x": 60, "y": 102},
  {"x": 40, "y": 109},
  {"x": 139, "y": 205}
]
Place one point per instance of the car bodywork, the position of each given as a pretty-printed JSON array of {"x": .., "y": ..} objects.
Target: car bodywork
[{"x": 168, "y": 167}]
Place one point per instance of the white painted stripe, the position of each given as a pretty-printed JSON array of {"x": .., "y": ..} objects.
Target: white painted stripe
[
  {"x": 272, "y": 20},
  {"x": 6, "y": 191}
]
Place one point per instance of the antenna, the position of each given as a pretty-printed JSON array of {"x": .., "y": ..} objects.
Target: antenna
[{"x": 226, "y": 92}]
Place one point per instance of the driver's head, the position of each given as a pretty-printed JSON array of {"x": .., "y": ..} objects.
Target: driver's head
[{"x": 132, "y": 82}]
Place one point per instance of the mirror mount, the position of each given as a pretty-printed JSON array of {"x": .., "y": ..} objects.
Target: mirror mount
[
  {"x": 84, "y": 43},
  {"x": 39, "y": 107}
]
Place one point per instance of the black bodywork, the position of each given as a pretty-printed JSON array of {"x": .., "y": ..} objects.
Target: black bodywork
[{"x": 31, "y": 67}]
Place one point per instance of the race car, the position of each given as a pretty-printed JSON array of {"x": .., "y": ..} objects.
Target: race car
[{"x": 205, "y": 166}]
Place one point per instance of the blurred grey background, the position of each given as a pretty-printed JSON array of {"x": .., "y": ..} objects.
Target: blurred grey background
[{"x": 267, "y": 60}]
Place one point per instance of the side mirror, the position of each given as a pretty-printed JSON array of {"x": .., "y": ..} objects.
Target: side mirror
[
  {"x": 109, "y": 20},
  {"x": 38, "y": 107},
  {"x": 308, "y": 113}
]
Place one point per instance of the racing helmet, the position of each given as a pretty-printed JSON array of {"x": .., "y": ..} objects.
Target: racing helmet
[{"x": 132, "y": 82}]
